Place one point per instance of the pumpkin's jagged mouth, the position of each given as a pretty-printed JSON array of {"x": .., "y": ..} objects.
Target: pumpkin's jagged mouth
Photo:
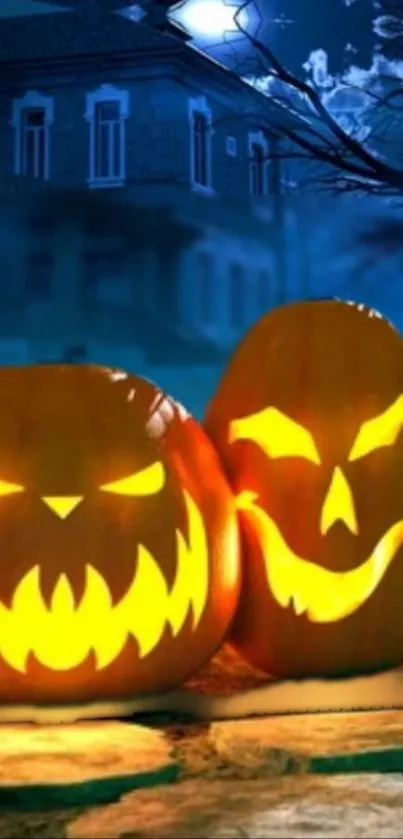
[
  {"x": 324, "y": 596},
  {"x": 63, "y": 635}
]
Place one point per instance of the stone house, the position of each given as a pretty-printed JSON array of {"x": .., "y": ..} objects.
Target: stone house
[{"x": 138, "y": 203}]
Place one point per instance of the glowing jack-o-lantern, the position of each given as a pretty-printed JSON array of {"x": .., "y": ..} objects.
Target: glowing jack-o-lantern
[
  {"x": 119, "y": 565},
  {"x": 308, "y": 421}
]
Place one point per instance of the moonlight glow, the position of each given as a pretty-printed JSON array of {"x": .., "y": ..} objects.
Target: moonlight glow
[{"x": 209, "y": 18}]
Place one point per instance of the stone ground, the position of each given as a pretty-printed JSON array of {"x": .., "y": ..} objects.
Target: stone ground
[{"x": 159, "y": 777}]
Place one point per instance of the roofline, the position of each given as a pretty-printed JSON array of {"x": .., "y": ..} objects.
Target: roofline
[
  {"x": 14, "y": 73},
  {"x": 178, "y": 48},
  {"x": 219, "y": 70},
  {"x": 187, "y": 48}
]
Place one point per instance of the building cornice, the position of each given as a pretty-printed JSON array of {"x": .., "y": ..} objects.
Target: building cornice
[{"x": 147, "y": 62}]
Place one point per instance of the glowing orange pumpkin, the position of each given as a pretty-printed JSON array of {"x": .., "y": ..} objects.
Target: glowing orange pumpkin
[
  {"x": 308, "y": 421},
  {"x": 118, "y": 538}
]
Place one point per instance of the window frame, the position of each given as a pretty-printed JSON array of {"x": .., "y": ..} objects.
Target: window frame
[
  {"x": 231, "y": 146},
  {"x": 257, "y": 138},
  {"x": 199, "y": 106},
  {"x": 32, "y": 100},
  {"x": 103, "y": 95}
]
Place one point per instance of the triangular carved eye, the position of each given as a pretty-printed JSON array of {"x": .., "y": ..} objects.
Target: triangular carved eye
[
  {"x": 378, "y": 432},
  {"x": 276, "y": 434},
  {"x": 146, "y": 482},
  {"x": 7, "y": 488}
]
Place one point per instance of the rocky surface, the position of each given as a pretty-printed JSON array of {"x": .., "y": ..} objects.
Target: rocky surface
[
  {"x": 301, "y": 808},
  {"x": 75, "y": 753},
  {"x": 163, "y": 776}
]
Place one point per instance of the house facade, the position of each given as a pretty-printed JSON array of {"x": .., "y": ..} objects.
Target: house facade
[{"x": 174, "y": 201}]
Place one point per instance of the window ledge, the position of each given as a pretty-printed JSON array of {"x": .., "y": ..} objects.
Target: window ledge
[
  {"x": 203, "y": 190},
  {"x": 105, "y": 183}
]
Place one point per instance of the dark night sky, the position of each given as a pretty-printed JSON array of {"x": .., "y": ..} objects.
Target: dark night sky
[
  {"x": 317, "y": 23},
  {"x": 329, "y": 24},
  {"x": 307, "y": 25},
  {"x": 13, "y": 8}
]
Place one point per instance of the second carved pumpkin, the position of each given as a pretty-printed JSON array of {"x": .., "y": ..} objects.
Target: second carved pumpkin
[{"x": 308, "y": 421}]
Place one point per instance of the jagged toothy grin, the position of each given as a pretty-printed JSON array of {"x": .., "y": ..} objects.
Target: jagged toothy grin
[{"x": 62, "y": 635}]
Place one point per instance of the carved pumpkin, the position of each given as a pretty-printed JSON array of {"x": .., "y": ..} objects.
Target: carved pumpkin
[
  {"x": 308, "y": 420},
  {"x": 118, "y": 538}
]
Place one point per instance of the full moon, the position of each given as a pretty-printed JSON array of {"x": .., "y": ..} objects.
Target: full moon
[{"x": 208, "y": 18}]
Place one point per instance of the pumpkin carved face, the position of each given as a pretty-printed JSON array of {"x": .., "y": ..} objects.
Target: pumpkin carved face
[
  {"x": 308, "y": 421},
  {"x": 119, "y": 570}
]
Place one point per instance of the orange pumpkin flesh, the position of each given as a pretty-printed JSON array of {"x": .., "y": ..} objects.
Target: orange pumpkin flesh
[
  {"x": 307, "y": 420},
  {"x": 118, "y": 538}
]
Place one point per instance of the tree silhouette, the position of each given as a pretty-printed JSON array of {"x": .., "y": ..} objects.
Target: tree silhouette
[{"x": 351, "y": 160}]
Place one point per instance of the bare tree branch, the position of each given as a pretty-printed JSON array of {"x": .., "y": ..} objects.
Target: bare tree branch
[{"x": 316, "y": 131}]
